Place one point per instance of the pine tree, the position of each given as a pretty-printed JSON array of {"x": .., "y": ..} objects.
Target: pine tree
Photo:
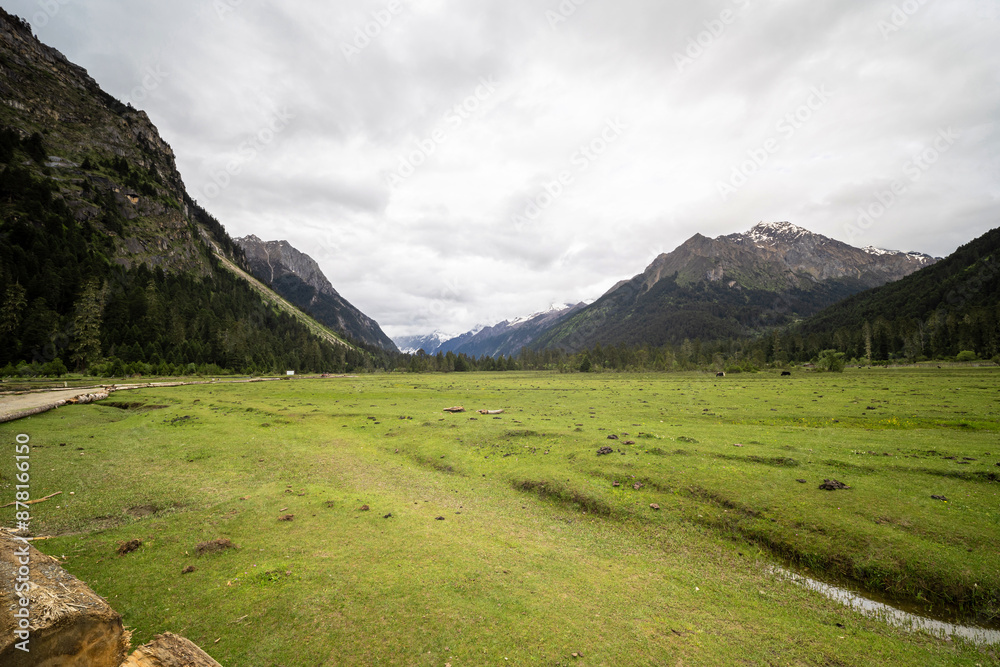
[
  {"x": 13, "y": 304},
  {"x": 87, "y": 325}
]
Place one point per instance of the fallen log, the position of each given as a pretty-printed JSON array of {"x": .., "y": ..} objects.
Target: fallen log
[
  {"x": 170, "y": 650},
  {"x": 491, "y": 412},
  {"x": 87, "y": 398},
  {"x": 457, "y": 408},
  {"x": 68, "y": 624},
  {"x": 32, "y": 502}
]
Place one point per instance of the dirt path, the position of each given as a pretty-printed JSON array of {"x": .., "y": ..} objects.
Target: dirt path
[
  {"x": 23, "y": 405},
  {"x": 16, "y": 406}
]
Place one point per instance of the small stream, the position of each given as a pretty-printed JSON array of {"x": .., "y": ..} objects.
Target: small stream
[{"x": 890, "y": 614}]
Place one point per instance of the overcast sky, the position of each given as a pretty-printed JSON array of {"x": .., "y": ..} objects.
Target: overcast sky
[{"x": 450, "y": 163}]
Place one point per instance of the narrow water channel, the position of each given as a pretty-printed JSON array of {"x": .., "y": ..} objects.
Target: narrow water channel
[{"x": 890, "y": 614}]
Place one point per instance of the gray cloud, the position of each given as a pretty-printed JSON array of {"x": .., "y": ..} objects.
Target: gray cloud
[{"x": 703, "y": 88}]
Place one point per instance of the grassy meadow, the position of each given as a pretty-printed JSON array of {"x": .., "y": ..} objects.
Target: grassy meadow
[{"x": 420, "y": 537}]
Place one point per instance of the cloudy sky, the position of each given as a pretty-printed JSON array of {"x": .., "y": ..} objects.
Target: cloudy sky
[{"x": 450, "y": 163}]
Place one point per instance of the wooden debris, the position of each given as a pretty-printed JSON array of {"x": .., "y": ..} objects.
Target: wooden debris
[
  {"x": 170, "y": 650},
  {"x": 70, "y": 624},
  {"x": 87, "y": 398},
  {"x": 491, "y": 412},
  {"x": 32, "y": 502},
  {"x": 457, "y": 408}
]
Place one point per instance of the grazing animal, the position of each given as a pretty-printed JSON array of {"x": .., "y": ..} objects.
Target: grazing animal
[
  {"x": 720, "y": 375},
  {"x": 785, "y": 373}
]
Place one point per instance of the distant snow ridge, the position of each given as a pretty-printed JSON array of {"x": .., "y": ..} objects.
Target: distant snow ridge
[
  {"x": 879, "y": 252},
  {"x": 872, "y": 250},
  {"x": 772, "y": 231}
]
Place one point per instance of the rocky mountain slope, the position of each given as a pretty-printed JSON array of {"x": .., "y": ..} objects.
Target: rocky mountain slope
[
  {"x": 105, "y": 260},
  {"x": 509, "y": 337},
  {"x": 949, "y": 307},
  {"x": 776, "y": 256},
  {"x": 297, "y": 277},
  {"x": 731, "y": 286},
  {"x": 429, "y": 343},
  {"x": 504, "y": 339}
]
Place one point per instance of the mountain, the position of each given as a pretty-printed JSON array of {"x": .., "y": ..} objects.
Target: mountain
[
  {"x": 731, "y": 286},
  {"x": 504, "y": 339},
  {"x": 106, "y": 263},
  {"x": 297, "y": 277},
  {"x": 939, "y": 311},
  {"x": 509, "y": 337},
  {"x": 429, "y": 343}
]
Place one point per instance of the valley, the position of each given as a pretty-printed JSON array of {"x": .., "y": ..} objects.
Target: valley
[{"x": 422, "y": 537}]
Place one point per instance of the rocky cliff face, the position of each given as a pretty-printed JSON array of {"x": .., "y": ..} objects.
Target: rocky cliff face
[
  {"x": 105, "y": 261},
  {"x": 731, "y": 286},
  {"x": 272, "y": 259},
  {"x": 106, "y": 154},
  {"x": 297, "y": 277},
  {"x": 781, "y": 256}
]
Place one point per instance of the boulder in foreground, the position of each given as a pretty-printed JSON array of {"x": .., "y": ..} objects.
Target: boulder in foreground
[
  {"x": 170, "y": 650},
  {"x": 68, "y": 624}
]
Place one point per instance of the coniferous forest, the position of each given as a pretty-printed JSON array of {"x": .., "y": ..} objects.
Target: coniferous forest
[{"x": 67, "y": 306}]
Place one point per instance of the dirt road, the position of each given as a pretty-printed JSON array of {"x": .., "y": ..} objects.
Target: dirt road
[
  {"x": 23, "y": 405},
  {"x": 16, "y": 406}
]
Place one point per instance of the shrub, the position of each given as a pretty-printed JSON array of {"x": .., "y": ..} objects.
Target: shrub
[
  {"x": 966, "y": 355},
  {"x": 831, "y": 361},
  {"x": 56, "y": 368}
]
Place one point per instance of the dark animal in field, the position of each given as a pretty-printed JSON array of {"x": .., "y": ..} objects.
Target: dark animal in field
[
  {"x": 720, "y": 375},
  {"x": 786, "y": 373}
]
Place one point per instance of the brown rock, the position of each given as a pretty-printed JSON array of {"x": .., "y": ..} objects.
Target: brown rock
[
  {"x": 71, "y": 626},
  {"x": 170, "y": 650}
]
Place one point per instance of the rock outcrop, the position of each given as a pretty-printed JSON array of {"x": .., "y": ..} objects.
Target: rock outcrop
[{"x": 297, "y": 277}]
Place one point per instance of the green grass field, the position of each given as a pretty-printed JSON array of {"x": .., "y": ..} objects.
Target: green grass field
[{"x": 508, "y": 541}]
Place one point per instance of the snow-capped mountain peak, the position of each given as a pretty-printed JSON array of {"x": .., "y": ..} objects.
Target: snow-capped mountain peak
[
  {"x": 872, "y": 250},
  {"x": 765, "y": 232}
]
